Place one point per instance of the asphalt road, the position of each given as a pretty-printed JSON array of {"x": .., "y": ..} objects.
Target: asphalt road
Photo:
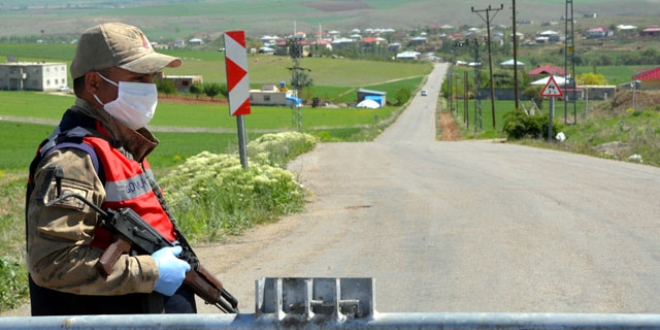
[{"x": 463, "y": 226}]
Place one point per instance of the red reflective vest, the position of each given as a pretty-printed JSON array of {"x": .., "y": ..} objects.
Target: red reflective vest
[{"x": 127, "y": 186}]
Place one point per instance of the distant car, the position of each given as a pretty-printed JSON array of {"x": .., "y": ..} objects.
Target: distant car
[
  {"x": 64, "y": 89},
  {"x": 423, "y": 92}
]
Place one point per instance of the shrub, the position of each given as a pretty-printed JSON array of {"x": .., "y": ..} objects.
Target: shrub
[
  {"x": 212, "y": 89},
  {"x": 197, "y": 89},
  {"x": 212, "y": 195},
  {"x": 533, "y": 93},
  {"x": 166, "y": 86},
  {"x": 278, "y": 149},
  {"x": 13, "y": 284},
  {"x": 403, "y": 95},
  {"x": 519, "y": 125}
]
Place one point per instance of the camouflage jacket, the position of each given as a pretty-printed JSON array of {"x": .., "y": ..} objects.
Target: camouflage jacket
[{"x": 59, "y": 256}]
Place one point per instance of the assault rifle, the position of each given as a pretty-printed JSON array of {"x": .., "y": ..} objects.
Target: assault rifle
[{"x": 132, "y": 232}]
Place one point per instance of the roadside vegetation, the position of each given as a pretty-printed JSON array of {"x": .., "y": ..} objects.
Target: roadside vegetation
[
  {"x": 214, "y": 196},
  {"x": 609, "y": 129}
]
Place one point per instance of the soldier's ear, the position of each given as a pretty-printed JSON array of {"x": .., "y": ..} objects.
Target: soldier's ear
[{"x": 92, "y": 82}]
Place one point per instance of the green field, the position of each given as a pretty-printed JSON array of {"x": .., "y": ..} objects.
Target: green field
[
  {"x": 262, "y": 69},
  {"x": 21, "y": 139}
]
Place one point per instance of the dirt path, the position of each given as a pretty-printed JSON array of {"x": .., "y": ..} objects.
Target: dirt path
[{"x": 448, "y": 127}]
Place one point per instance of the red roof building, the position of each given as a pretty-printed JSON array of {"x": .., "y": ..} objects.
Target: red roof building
[
  {"x": 653, "y": 74},
  {"x": 650, "y": 78},
  {"x": 547, "y": 70},
  {"x": 652, "y": 31}
]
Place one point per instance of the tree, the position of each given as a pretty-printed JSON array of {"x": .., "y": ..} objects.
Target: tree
[
  {"x": 300, "y": 80},
  {"x": 224, "y": 90},
  {"x": 166, "y": 86},
  {"x": 196, "y": 89},
  {"x": 403, "y": 95},
  {"x": 533, "y": 93},
  {"x": 211, "y": 89},
  {"x": 592, "y": 79}
]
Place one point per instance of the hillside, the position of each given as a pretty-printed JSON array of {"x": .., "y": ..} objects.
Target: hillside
[{"x": 184, "y": 18}]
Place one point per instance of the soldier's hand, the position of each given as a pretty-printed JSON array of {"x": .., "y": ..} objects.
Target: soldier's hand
[{"x": 171, "y": 270}]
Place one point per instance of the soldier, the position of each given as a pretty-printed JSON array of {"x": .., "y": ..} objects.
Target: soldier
[{"x": 101, "y": 145}]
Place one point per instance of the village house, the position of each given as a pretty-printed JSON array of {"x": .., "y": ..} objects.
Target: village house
[
  {"x": 46, "y": 77},
  {"x": 552, "y": 36},
  {"x": 195, "y": 42},
  {"x": 408, "y": 55},
  {"x": 182, "y": 83},
  {"x": 599, "y": 32},
  {"x": 546, "y": 70},
  {"x": 650, "y": 79},
  {"x": 269, "y": 95},
  {"x": 510, "y": 64},
  {"x": 650, "y": 32}
]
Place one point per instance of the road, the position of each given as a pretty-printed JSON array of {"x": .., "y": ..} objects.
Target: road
[
  {"x": 471, "y": 226},
  {"x": 463, "y": 226}
]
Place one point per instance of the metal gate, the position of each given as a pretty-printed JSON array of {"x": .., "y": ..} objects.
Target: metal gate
[{"x": 333, "y": 303}]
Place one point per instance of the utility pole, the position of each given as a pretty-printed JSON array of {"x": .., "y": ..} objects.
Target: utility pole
[
  {"x": 515, "y": 57},
  {"x": 296, "y": 53},
  {"x": 295, "y": 82},
  {"x": 490, "y": 55},
  {"x": 569, "y": 64}
]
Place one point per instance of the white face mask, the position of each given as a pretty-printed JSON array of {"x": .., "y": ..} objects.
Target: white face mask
[{"x": 135, "y": 105}]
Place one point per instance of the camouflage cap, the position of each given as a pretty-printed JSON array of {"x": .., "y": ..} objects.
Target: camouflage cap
[{"x": 116, "y": 44}]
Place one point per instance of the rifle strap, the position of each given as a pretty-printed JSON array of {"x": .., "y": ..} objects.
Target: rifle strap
[{"x": 163, "y": 203}]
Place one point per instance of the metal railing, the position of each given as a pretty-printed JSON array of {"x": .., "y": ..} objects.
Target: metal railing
[{"x": 332, "y": 303}]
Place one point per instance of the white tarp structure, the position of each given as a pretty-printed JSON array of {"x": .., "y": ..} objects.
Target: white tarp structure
[
  {"x": 369, "y": 104},
  {"x": 561, "y": 81},
  {"x": 510, "y": 63}
]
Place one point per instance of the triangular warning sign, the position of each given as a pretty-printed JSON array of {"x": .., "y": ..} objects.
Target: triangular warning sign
[{"x": 551, "y": 89}]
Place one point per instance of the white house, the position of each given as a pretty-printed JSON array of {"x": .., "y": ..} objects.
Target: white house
[
  {"x": 509, "y": 64},
  {"x": 408, "y": 55},
  {"x": 195, "y": 42},
  {"x": 268, "y": 95},
  {"x": 47, "y": 77}
]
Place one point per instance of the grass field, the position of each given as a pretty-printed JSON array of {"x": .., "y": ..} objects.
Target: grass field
[
  {"x": 263, "y": 69},
  {"x": 22, "y": 139}
]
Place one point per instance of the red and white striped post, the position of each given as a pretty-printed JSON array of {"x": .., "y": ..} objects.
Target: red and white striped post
[{"x": 238, "y": 85}]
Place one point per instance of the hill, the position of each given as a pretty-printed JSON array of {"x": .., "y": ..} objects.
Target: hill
[{"x": 185, "y": 18}]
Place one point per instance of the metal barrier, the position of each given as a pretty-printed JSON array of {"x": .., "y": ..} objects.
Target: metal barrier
[{"x": 333, "y": 303}]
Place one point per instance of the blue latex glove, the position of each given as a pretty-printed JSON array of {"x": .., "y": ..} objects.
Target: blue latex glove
[{"x": 171, "y": 269}]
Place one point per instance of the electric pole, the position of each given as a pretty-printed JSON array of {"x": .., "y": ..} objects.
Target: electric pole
[
  {"x": 515, "y": 57},
  {"x": 490, "y": 55}
]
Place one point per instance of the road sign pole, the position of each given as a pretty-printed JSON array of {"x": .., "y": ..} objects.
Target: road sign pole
[
  {"x": 550, "y": 114},
  {"x": 242, "y": 141}
]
